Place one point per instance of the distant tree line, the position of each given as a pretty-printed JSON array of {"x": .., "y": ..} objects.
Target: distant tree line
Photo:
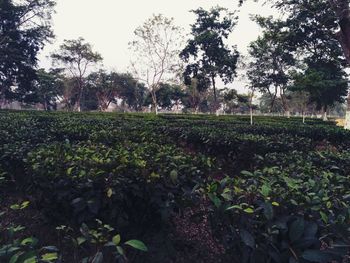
[{"x": 297, "y": 65}]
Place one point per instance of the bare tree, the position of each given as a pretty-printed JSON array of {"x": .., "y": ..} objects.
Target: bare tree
[{"x": 156, "y": 48}]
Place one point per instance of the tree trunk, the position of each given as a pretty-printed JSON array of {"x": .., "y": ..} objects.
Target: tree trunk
[
  {"x": 214, "y": 87},
  {"x": 285, "y": 103},
  {"x": 80, "y": 95},
  {"x": 251, "y": 97},
  {"x": 342, "y": 11},
  {"x": 273, "y": 99},
  {"x": 287, "y": 112},
  {"x": 251, "y": 116},
  {"x": 77, "y": 106},
  {"x": 3, "y": 101},
  {"x": 216, "y": 106},
  {"x": 154, "y": 101},
  {"x": 347, "y": 115},
  {"x": 324, "y": 116}
]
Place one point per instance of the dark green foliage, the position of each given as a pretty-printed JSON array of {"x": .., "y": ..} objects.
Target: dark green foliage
[
  {"x": 212, "y": 58},
  {"x": 168, "y": 96},
  {"x": 46, "y": 89},
  {"x": 325, "y": 82},
  {"x": 106, "y": 88},
  {"x": 24, "y": 29},
  {"x": 215, "y": 187},
  {"x": 235, "y": 102},
  {"x": 272, "y": 57}
]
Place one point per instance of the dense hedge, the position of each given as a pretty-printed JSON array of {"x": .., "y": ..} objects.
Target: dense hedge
[{"x": 190, "y": 186}]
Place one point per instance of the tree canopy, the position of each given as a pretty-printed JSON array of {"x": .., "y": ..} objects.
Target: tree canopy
[
  {"x": 25, "y": 26},
  {"x": 77, "y": 56},
  {"x": 206, "y": 54}
]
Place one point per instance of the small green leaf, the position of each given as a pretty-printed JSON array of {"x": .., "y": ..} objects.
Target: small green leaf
[
  {"x": 116, "y": 240},
  {"x": 69, "y": 170},
  {"x": 265, "y": 190},
  {"x": 32, "y": 259},
  {"x": 15, "y": 207},
  {"x": 215, "y": 200},
  {"x": 30, "y": 241},
  {"x": 49, "y": 256},
  {"x": 234, "y": 207},
  {"x": 173, "y": 176},
  {"x": 246, "y": 173},
  {"x": 324, "y": 217},
  {"x": 120, "y": 250},
  {"x": 81, "y": 240},
  {"x": 249, "y": 210},
  {"x": 155, "y": 175},
  {"x": 137, "y": 244},
  {"x": 109, "y": 192},
  {"x": 15, "y": 257},
  {"x": 25, "y": 204}
]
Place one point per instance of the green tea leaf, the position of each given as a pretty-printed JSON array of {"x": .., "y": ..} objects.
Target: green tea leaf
[
  {"x": 173, "y": 176},
  {"x": 120, "y": 250},
  {"x": 215, "y": 199},
  {"x": 137, "y": 244},
  {"x": 49, "y": 257},
  {"x": 30, "y": 241},
  {"x": 109, "y": 192},
  {"x": 249, "y": 210},
  {"x": 116, "y": 240},
  {"x": 324, "y": 217}
]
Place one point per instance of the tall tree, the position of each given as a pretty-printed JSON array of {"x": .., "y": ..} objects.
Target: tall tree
[
  {"x": 156, "y": 47},
  {"x": 338, "y": 12},
  {"x": 69, "y": 93},
  {"x": 235, "y": 102},
  {"x": 315, "y": 25},
  {"x": 109, "y": 87},
  {"x": 103, "y": 85},
  {"x": 193, "y": 94},
  {"x": 207, "y": 55},
  {"x": 133, "y": 93},
  {"x": 169, "y": 96},
  {"x": 272, "y": 59},
  {"x": 47, "y": 89},
  {"x": 326, "y": 83},
  {"x": 25, "y": 27},
  {"x": 330, "y": 16},
  {"x": 77, "y": 56}
]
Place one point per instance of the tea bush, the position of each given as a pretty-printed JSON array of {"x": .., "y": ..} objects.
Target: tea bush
[{"x": 210, "y": 187}]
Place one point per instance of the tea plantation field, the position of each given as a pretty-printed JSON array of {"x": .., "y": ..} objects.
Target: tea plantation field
[{"x": 93, "y": 187}]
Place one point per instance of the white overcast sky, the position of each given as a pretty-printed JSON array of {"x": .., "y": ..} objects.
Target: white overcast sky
[{"x": 109, "y": 24}]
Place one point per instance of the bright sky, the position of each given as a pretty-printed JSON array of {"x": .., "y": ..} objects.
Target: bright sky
[{"x": 109, "y": 24}]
